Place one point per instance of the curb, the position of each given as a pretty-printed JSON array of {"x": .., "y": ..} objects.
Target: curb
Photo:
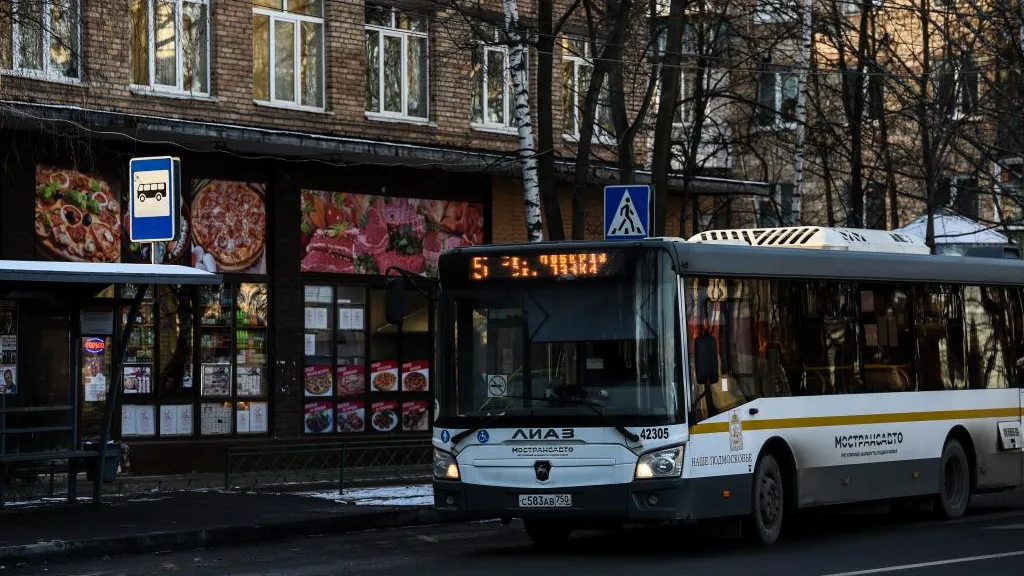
[{"x": 220, "y": 536}]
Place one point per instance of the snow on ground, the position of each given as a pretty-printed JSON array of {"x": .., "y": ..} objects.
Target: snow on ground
[{"x": 416, "y": 495}]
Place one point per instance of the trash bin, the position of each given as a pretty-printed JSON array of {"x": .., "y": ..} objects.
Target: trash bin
[{"x": 112, "y": 459}]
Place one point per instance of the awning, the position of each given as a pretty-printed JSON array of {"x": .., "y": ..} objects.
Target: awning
[
  {"x": 41, "y": 271},
  {"x": 952, "y": 228}
]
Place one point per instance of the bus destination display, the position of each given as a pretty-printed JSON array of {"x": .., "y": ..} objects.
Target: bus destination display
[{"x": 579, "y": 265}]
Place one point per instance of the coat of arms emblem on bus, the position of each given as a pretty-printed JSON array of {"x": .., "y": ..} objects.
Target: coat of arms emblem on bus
[
  {"x": 542, "y": 469},
  {"x": 735, "y": 433}
]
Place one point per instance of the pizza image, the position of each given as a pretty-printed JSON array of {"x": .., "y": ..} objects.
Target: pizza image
[
  {"x": 78, "y": 217},
  {"x": 385, "y": 381},
  {"x": 229, "y": 222}
]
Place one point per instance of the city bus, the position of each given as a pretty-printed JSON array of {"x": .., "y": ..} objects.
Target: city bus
[{"x": 739, "y": 373}]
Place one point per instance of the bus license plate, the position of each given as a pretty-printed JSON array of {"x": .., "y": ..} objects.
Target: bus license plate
[{"x": 545, "y": 500}]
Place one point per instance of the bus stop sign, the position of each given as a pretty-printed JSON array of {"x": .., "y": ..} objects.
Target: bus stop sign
[{"x": 154, "y": 199}]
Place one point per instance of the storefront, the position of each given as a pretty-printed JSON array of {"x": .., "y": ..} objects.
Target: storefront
[{"x": 293, "y": 345}]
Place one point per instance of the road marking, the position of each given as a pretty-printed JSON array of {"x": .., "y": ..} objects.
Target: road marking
[
  {"x": 1005, "y": 527},
  {"x": 928, "y": 564},
  {"x": 427, "y": 538}
]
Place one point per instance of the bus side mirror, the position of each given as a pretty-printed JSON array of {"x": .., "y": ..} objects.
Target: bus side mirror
[
  {"x": 394, "y": 300},
  {"x": 705, "y": 355}
]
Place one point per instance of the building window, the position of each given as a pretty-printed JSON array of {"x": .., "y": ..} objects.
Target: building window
[
  {"x": 577, "y": 66},
  {"x": 493, "y": 99},
  {"x": 42, "y": 38},
  {"x": 396, "y": 62},
  {"x": 287, "y": 52},
  {"x": 958, "y": 87},
  {"x": 776, "y": 98},
  {"x": 170, "y": 45}
]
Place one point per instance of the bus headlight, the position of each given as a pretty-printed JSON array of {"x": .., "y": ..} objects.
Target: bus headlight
[
  {"x": 664, "y": 463},
  {"x": 445, "y": 466}
]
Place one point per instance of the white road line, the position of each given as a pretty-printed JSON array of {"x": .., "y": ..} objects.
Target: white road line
[{"x": 928, "y": 564}]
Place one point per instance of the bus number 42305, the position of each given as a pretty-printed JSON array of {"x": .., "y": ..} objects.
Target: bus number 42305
[{"x": 654, "y": 433}]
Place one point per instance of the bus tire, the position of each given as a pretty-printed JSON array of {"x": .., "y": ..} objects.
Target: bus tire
[
  {"x": 954, "y": 482},
  {"x": 547, "y": 533},
  {"x": 768, "y": 502}
]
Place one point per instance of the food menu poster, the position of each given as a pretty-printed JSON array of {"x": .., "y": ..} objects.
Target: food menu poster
[
  {"x": 415, "y": 415},
  {"x": 351, "y": 380},
  {"x": 351, "y": 417},
  {"x": 317, "y": 380},
  {"x": 251, "y": 418},
  {"x": 384, "y": 376},
  {"x": 349, "y": 233},
  {"x": 8, "y": 347},
  {"x": 138, "y": 420},
  {"x": 138, "y": 380},
  {"x": 416, "y": 376},
  {"x": 216, "y": 379},
  {"x": 319, "y": 417},
  {"x": 384, "y": 415}
]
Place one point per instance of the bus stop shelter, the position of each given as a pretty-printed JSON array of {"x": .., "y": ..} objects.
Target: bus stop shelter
[{"x": 68, "y": 287}]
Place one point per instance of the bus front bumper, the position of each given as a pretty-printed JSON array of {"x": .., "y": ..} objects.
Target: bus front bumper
[{"x": 636, "y": 502}]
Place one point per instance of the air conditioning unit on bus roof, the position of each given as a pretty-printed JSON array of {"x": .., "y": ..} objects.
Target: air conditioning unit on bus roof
[{"x": 819, "y": 237}]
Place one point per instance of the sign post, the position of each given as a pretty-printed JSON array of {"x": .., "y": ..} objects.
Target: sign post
[
  {"x": 627, "y": 212},
  {"x": 154, "y": 201}
]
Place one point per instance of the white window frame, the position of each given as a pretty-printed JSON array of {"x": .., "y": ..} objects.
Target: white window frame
[
  {"x": 394, "y": 31},
  {"x": 959, "y": 112},
  {"x": 770, "y": 12},
  {"x": 501, "y": 46},
  {"x": 778, "y": 122},
  {"x": 578, "y": 62},
  {"x": 179, "y": 67},
  {"x": 47, "y": 73},
  {"x": 713, "y": 79},
  {"x": 296, "y": 20}
]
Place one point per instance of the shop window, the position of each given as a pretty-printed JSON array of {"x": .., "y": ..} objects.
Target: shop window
[
  {"x": 42, "y": 38},
  {"x": 397, "y": 60},
  {"x": 288, "y": 52},
  {"x": 363, "y": 375},
  {"x": 170, "y": 45}
]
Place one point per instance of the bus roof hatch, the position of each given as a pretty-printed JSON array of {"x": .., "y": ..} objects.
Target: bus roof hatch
[{"x": 819, "y": 237}]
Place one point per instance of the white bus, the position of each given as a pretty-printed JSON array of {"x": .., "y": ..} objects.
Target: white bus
[{"x": 745, "y": 373}]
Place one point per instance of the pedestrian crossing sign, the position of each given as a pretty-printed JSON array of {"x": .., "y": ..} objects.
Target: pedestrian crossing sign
[{"x": 627, "y": 212}]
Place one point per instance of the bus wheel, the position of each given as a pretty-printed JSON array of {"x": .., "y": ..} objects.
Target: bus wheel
[
  {"x": 954, "y": 482},
  {"x": 765, "y": 520},
  {"x": 547, "y": 533}
]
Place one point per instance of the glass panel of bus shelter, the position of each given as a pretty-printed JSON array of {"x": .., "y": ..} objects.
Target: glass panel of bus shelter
[{"x": 610, "y": 341}]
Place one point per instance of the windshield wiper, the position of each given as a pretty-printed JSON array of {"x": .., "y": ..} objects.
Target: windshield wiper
[{"x": 592, "y": 404}]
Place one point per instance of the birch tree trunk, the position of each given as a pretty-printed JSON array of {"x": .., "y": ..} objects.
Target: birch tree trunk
[
  {"x": 521, "y": 113},
  {"x": 807, "y": 44}
]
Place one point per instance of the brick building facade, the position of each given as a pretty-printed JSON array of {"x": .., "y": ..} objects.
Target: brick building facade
[{"x": 363, "y": 134}]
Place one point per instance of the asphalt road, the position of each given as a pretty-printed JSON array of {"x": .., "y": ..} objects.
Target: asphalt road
[{"x": 834, "y": 543}]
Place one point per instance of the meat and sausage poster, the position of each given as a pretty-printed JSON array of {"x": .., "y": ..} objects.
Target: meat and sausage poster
[{"x": 345, "y": 233}]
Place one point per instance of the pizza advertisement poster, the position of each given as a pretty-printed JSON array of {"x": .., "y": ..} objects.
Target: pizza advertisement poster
[
  {"x": 348, "y": 233},
  {"x": 317, "y": 380},
  {"x": 228, "y": 223},
  {"x": 77, "y": 216},
  {"x": 176, "y": 252},
  {"x": 351, "y": 380},
  {"x": 415, "y": 415},
  {"x": 416, "y": 376},
  {"x": 319, "y": 417},
  {"x": 384, "y": 376},
  {"x": 384, "y": 416},
  {"x": 351, "y": 417}
]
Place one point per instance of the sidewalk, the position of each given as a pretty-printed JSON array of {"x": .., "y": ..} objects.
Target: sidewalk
[{"x": 45, "y": 530}]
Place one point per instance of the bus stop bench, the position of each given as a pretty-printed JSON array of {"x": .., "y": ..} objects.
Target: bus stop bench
[{"x": 33, "y": 463}]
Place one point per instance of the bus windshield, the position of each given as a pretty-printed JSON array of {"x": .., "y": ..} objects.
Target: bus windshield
[{"x": 557, "y": 349}]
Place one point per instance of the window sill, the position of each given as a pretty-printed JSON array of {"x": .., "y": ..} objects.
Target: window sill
[
  {"x": 596, "y": 140},
  {"x": 396, "y": 119},
  {"x": 140, "y": 90},
  {"x": 41, "y": 77},
  {"x": 292, "y": 107},
  {"x": 495, "y": 129}
]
